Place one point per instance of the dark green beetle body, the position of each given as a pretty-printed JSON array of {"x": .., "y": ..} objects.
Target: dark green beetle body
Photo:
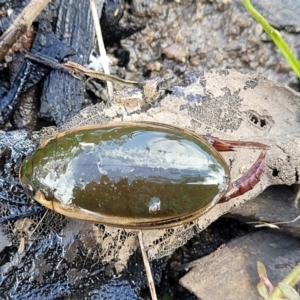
[{"x": 137, "y": 175}]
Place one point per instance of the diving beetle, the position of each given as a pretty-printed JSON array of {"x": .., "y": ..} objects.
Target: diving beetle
[{"x": 134, "y": 175}]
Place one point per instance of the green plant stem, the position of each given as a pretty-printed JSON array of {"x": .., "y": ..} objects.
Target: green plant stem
[
  {"x": 291, "y": 279},
  {"x": 275, "y": 36}
]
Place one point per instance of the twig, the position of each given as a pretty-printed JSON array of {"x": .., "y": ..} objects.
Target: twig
[
  {"x": 51, "y": 63},
  {"x": 259, "y": 224},
  {"x": 101, "y": 46},
  {"x": 20, "y": 25},
  {"x": 102, "y": 76},
  {"x": 147, "y": 267},
  {"x": 77, "y": 70}
]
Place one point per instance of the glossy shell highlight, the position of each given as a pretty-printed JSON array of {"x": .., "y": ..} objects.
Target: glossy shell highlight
[{"x": 132, "y": 175}]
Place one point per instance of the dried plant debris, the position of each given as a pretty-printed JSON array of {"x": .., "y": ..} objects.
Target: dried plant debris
[
  {"x": 30, "y": 73},
  {"x": 47, "y": 43},
  {"x": 57, "y": 271},
  {"x": 67, "y": 98}
]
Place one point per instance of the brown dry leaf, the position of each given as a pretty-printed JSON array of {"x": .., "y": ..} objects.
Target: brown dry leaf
[{"x": 229, "y": 105}]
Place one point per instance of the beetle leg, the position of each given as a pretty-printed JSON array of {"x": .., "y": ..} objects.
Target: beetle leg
[
  {"x": 248, "y": 180},
  {"x": 228, "y": 145}
]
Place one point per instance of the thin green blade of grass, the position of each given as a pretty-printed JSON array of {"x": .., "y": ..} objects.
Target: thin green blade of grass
[{"x": 275, "y": 36}]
